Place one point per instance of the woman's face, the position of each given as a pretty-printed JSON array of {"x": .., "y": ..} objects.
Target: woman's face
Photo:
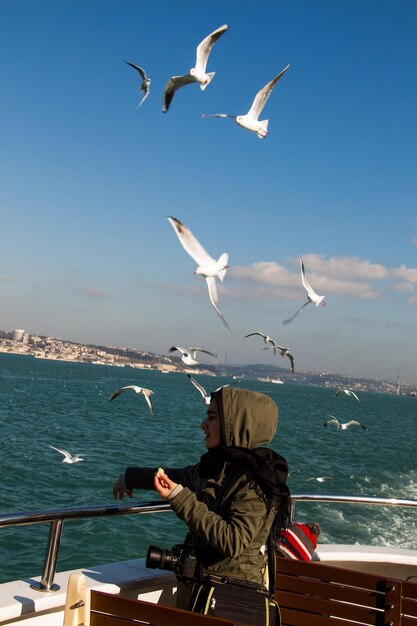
[{"x": 212, "y": 426}]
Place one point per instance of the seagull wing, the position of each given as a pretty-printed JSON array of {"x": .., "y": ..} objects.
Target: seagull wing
[
  {"x": 288, "y": 354},
  {"x": 312, "y": 295},
  {"x": 174, "y": 348},
  {"x": 66, "y": 454},
  {"x": 305, "y": 282},
  {"x": 175, "y": 83},
  {"x": 333, "y": 420},
  {"x": 204, "y": 48},
  {"x": 257, "y": 333},
  {"x": 190, "y": 244},
  {"x": 355, "y": 423},
  {"x": 139, "y": 69},
  {"x": 119, "y": 391},
  {"x": 212, "y": 290},
  {"x": 199, "y": 387},
  {"x": 194, "y": 351},
  {"x": 353, "y": 394},
  {"x": 146, "y": 94},
  {"x": 263, "y": 95},
  {"x": 147, "y": 393},
  {"x": 290, "y": 319}
]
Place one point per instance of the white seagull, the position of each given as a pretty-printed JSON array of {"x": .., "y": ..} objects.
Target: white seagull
[
  {"x": 284, "y": 352},
  {"x": 250, "y": 121},
  {"x": 196, "y": 74},
  {"x": 68, "y": 458},
  {"x": 348, "y": 392},
  {"x": 207, "y": 266},
  {"x": 188, "y": 355},
  {"x": 311, "y": 295},
  {"x": 344, "y": 426},
  {"x": 146, "y": 392},
  {"x": 266, "y": 338},
  {"x": 206, "y": 397},
  {"x": 320, "y": 479},
  {"x": 146, "y": 81}
]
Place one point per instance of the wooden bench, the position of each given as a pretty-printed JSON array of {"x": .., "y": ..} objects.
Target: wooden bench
[
  {"x": 315, "y": 594},
  {"x": 96, "y": 608},
  {"x": 107, "y": 609}
]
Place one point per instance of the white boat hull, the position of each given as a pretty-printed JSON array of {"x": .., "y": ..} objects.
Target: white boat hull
[{"x": 20, "y": 604}]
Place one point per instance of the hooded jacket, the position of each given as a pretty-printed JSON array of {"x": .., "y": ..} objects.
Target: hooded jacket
[{"x": 228, "y": 511}]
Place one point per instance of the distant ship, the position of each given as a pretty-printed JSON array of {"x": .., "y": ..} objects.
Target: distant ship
[{"x": 276, "y": 381}]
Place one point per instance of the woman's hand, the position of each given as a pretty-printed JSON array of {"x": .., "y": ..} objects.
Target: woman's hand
[
  {"x": 119, "y": 492},
  {"x": 163, "y": 484}
]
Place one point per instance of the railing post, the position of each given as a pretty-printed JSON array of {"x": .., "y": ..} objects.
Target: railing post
[{"x": 51, "y": 558}]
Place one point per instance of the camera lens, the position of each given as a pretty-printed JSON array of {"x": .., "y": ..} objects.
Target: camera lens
[{"x": 158, "y": 558}]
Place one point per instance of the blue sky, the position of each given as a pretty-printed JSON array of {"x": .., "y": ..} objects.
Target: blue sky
[{"x": 87, "y": 180}]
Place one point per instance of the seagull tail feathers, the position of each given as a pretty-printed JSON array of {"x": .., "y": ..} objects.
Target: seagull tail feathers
[
  {"x": 263, "y": 129},
  {"x": 210, "y": 77}
]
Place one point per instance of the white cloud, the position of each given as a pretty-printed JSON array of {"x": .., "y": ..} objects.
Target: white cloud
[{"x": 351, "y": 276}]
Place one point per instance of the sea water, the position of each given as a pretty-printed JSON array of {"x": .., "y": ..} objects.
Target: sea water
[{"x": 67, "y": 405}]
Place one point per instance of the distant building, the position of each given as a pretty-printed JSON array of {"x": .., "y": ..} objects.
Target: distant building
[{"x": 18, "y": 335}]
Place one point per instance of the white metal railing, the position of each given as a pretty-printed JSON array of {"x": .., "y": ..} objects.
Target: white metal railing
[{"x": 57, "y": 517}]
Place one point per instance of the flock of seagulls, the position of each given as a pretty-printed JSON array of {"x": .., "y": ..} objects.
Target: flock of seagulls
[
  {"x": 333, "y": 421},
  {"x": 207, "y": 266},
  {"x": 198, "y": 74}
]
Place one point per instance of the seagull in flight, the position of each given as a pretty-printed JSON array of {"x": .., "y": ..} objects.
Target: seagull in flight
[
  {"x": 348, "y": 392},
  {"x": 250, "y": 121},
  {"x": 320, "y": 479},
  {"x": 207, "y": 266},
  {"x": 188, "y": 355},
  {"x": 266, "y": 338},
  {"x": 344, "y": 426},
  {"x": 312, "y": 296},
  {"x": 206, "y": 397},
  {"x": 284, "y": 352},
  {"x": 146, "y": 392},
  {"x": 68, "y": 458},
  {"x": 196, "y": 74},
  {"x": 145, "y": 84}
]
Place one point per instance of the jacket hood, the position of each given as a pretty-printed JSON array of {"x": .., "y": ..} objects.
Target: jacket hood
[{"x": 248, "y": 418}]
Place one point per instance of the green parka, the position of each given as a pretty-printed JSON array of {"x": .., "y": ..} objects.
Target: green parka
[{"x": 229, "y": 513}]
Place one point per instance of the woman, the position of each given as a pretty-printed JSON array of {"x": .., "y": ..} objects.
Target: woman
[{"x": 229, "y": 501}]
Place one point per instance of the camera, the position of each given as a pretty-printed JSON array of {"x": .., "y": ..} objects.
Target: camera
[{"x": 180, "y": 559}]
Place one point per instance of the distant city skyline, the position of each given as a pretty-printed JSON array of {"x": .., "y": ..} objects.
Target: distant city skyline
[{"x": 88, "y": 180}]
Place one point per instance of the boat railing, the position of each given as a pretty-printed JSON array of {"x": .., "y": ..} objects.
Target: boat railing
[{"x": 57, "y": 517}]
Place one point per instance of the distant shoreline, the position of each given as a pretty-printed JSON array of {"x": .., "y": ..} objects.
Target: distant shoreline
[{"x": 51, "y": 349}]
